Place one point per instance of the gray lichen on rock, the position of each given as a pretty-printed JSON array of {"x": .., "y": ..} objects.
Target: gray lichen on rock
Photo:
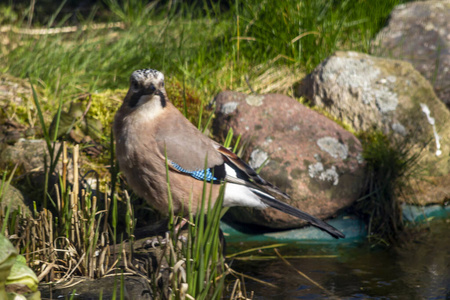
[
  {"x": 317, "y": 170},
  {"x": 399, "y": 128},
  {"x": 354, "y": 74},
  {"x": 258, "y": 158},
  {"x": 253, "y": 100},
  {"x": 358, "y": 76},
  {"x": 360, "y": 158},
  {"x": 229, "y": 107},
  {"x": 386, "y": 100},
  {"x": 333, "y": 147}
]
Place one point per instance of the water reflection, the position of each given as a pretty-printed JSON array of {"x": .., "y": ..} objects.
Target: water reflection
[{"x": 417, "y": 270}]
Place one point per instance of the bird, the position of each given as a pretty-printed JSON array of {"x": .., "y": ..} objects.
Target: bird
[{"x": 149, "y": 129}]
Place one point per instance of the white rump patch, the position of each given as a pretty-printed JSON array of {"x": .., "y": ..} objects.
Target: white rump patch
[{"x": 240, "y": 195}]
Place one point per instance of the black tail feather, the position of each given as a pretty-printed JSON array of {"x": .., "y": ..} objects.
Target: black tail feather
[{"x": 286, "y": 208}]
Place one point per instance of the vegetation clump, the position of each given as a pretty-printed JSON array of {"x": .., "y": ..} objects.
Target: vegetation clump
[{"x": 390, "y": 167}]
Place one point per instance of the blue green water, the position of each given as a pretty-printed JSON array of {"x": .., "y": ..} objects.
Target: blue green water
[{"x": 417, "y": 269}]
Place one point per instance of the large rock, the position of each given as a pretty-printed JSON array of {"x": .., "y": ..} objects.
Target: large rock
[
  {"x": 14, "y": 199},
  {"x": 30, "y": 155},
  {"x": 15, "y": 99},
  {"x": 419, "y": 32},
  {"x": 369, "y": 92},
  {"x": 313, "y": 159},
  {"x": 14, "y": 91}
]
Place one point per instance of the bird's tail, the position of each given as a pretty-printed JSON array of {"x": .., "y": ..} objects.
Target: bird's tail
[{"x": 286, "y": 208}]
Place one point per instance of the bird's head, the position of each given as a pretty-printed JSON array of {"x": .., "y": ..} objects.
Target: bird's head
[{"x": 146, "y": 85}]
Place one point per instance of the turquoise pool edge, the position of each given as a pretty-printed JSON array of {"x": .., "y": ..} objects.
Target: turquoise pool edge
[{"x": 353, "y": 228}]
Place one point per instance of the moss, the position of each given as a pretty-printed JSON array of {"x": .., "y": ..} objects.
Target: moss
[
  {"x": 16, "y": 100},
  {"x": 19, "y": 111},
  {"x": 104, "y": 106},
  {"x": 327, "y": 114},
  {"x": 187, "y": 100}
]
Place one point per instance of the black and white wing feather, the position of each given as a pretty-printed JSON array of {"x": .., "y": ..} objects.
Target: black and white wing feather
[{"x": 238, "y": 172}]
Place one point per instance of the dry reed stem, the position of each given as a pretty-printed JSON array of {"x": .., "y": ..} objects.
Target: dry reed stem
[
  {"x": 273, "y": 79},
  {"x": 238, "y": 292},
  {"x": 67, "y": 29},
  {"x": 237, "y": 274},
  {"x": 52, "y": 255},
  {"x": 72, "y": 29},
  {"x": 46, "y": 268},
  {"x": 270, "y": 257}
]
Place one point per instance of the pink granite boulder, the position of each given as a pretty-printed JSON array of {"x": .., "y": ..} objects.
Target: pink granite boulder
[{"x": 313, "y": 159}]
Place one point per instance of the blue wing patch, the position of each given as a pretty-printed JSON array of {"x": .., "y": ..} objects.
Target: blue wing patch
[{"x": 197, "y": 174}]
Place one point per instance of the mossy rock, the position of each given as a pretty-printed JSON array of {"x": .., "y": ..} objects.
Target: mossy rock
[
  {"x": 13, "y": 198},
  {"x": 373, "y": 93},
  {"x": 16, "y": 100}
]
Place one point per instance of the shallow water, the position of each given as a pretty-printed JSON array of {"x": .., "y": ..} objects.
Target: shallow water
[{"x": 419, "y": 269}]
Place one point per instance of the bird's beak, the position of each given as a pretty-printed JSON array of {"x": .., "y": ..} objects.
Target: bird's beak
[{"x": 150, "y": 90}]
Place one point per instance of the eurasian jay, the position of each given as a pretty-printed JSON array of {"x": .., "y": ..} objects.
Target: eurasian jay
[{"x": 147, "y": 127}]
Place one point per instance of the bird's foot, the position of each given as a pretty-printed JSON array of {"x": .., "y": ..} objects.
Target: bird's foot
[{"x": 159, "y": 241}]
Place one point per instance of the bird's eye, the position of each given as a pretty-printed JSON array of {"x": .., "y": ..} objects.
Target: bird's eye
[
  {"x": 152, "y": 88},
  {"x": 135, "y": 85},
  {"x": 162, "y": 84}
]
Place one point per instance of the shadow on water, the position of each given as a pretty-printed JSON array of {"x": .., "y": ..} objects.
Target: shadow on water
[{"x": 419, "y": 269}]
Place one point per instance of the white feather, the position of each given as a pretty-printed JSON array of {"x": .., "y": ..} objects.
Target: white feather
[
  {"x": 240, "y": 195},
  {"x": 230, "y": 171}
]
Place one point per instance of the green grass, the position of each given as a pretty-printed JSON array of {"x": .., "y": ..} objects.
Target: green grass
[
  {"x": 197, "y": 265},
  {"x": 306, "y": 32},
  {"x": 210, "y": 48}
]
